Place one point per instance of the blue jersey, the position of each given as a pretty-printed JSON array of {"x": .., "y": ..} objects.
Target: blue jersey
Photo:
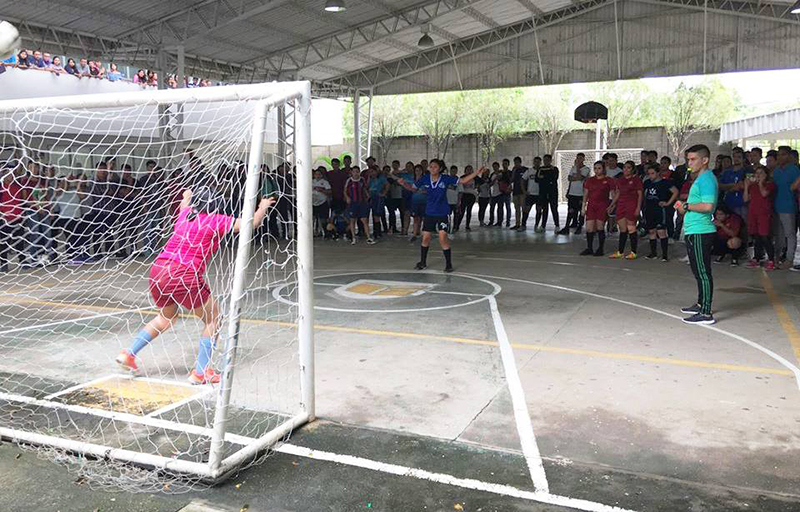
[{"x": 436, "y": 205}]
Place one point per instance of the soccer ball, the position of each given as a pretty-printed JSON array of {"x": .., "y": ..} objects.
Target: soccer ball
[{"x": 9, "y": 39}]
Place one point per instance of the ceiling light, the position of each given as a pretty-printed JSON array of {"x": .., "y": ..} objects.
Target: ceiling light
[
  {"x": 795, "y": 8},
  {"x": 426, "y": 41},
  {"x": 335, "y": 6}
]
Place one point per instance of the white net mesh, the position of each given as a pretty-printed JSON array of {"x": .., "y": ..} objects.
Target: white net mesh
[
  {"x": 78, "y": 244},
  {"x": 564, "y": 160}
]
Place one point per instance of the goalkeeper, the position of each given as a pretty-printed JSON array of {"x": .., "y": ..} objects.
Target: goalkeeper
[{"x": 176, "y": 277}]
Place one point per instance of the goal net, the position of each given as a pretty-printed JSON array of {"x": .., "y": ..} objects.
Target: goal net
[
  {"x": 91, "y": 194},
  {"x": 564, "y": 160}
]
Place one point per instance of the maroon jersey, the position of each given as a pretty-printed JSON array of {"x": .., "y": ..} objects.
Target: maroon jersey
[
  {"x": 598, "y": 190},
  {"x": 760, "y": 205},
  {"x": 629, "y": 189}
]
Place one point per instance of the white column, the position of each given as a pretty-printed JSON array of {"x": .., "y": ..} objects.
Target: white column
[
  {"x": 181, "y": 74},
  {"x": 357, "y": 128}
]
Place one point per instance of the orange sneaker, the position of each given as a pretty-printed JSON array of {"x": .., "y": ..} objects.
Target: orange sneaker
[
  {"x": 616, "y": 255},
  {"x": 631, "y": 256},
  {"x": 127, "y": 361},
  {"x": 209, "y": 377}
]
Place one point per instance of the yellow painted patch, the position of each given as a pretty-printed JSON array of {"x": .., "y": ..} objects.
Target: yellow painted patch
[
  {"x": 132, "y": 396},
  {"x": 385, "y": 289},
  {"x": 393, "y": 291},
  {"x": 366, "y": 288}
]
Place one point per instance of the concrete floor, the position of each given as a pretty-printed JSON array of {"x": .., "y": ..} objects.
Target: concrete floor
[{"x": 629, "y": 406}]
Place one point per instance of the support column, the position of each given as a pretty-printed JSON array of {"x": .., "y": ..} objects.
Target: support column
[
  {"x": 357, "y": 127},
  {"x": 181, "y": 74}
]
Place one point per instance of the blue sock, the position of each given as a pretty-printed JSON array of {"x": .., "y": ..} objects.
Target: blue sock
[
  {"x": 139, "y": 342},
  {"x": 203, "y": 355}
]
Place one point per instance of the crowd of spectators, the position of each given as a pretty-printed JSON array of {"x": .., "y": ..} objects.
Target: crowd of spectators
[{"x": 92, "y": 69}]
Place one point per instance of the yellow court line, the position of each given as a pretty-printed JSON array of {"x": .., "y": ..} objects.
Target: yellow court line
[
  {"x": 466, "y": 341},
  {"x": 783, "y": 316}
]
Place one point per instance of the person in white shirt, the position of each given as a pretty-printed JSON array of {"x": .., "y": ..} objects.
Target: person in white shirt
[
  {"x": 320, "y": 196},
  {"x": 469, "y": 193},
  {"x": 532, "y": 190},
  {"x": 484, "y": 184},
  {"x": 454, "y": 193},
  {"x": 577, "y": 175}
]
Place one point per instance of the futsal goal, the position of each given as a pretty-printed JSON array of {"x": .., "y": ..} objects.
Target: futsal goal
[
  {"x": 564, "y": 160},
  {"x": 96, "y": 181}
]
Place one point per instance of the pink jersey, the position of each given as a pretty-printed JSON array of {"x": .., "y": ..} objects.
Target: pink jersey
[{"x": 193, "y": 242}]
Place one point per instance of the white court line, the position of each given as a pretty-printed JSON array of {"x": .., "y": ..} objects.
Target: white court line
[
  {"x": 794, "y": 369},
  {"x": 521, "y": 414},
  {"x": 73, "y": 320},
  {"x": 196, "y": 396},
  {"x": 441, "y": 478}
]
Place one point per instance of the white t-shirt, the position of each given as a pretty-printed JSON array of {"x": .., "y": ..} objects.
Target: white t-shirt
[
  {"x": 613, "y": 173},
  {"x": 69, "y": 204},
  {"x": 495, "y": 185},
  {"x": 318, "y": 198},
  {"x": 452, "y": 193},
  {"x": 485, "y": 188},
  {"x": 576, "y": 187},
  {"x": 533, "y": 187},
  {"x": 469, "y": 188}
]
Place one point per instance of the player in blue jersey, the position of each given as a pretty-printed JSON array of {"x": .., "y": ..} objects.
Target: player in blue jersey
[{"x": 437, "y": 210}]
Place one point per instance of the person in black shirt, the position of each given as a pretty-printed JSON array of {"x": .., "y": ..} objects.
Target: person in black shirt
[
  {"x": 505, "y": 190},
  {"x": 659, "y": 196},
  {"x": 518, "y": 189},
  {"x": 548, "y": 191}
]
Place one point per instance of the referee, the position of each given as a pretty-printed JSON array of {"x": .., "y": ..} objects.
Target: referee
[{"x": 698, "y": 225}]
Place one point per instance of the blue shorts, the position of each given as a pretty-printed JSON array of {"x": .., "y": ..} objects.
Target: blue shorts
[
  {"x": 378, "y": 205},
  {"x": 358, "y": 211}
]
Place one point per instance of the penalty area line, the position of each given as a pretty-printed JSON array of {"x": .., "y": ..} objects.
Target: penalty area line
[{"x": 442, "y": 478}]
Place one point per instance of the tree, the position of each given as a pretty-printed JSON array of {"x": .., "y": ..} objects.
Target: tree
[
  {"x": 493, "y": 115},
  {"x": 440, "y": 118},
  {"x": 629, "y": 102},
  {"x": 550, "y": 114},
  {"x": 391, "y": 117},
  {"x": 691, "y": 109}
]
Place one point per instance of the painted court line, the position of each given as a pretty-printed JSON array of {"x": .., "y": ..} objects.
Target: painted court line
[
  {"x": 794, "y": 369},
  {"x": 72, "y": 321},
  {"x": 784, "y": 317},
  {"x": 522, "y": 416},
  {"x": 465, "y": 483},
  {"x": 80, "y": 386}
]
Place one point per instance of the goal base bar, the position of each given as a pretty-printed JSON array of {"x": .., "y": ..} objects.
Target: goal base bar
[{"x": 149, "y": 461}]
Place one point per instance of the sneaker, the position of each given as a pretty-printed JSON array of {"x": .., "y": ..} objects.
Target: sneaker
[
  {"x": 127, "y": 361},
  {"x": 795, "y": 268},
  {"x": 564, "y": 231},
  {"x": 353, "y": 241},
  {"x": 699, "y": 319},
  {"x": 587, "y": 252},
  {"x": 769, "y": 266},
  {"x": 412, "y": 239},
  {"x": 631, "y": 256},
  {"x": 753, "y": 264},
  {"x": 719, "y": 259},
  {"x": 370, "y": 241},
  {"x": 578, "y": 231},
  {"x": 467, "y": 228},
  {"x": 691, "y": 310},
  {"x": 557, "y": 230},
  {"x": 514, "y": 228},
  {"x": 210, "y": 376},
  {"x": 448, "y": 268},
  {"x": 651, "y": 256},
  {"x": 420, "y": 266},
  {"x": 665, "y": 259},
  {"x": 734, "y": 262},
  {"x": 598, "y": 252},
  {"x": 616, "y": 255},
  {"x": 685, "y": 259}
]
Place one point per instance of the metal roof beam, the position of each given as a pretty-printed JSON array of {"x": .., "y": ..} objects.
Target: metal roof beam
[
  {"x": 479, "y": 16},
  {"x": 779, "y": 13},
  {"x": 396, "y": 70},
  {"x": 366, "y": 34}
]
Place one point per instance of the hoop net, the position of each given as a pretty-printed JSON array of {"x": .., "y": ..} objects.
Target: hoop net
[{"x": 76, "y": 292}]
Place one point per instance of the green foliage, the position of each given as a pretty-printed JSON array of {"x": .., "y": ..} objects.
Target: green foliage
[
  {"x": 326, "y": 160},
  {"x": 549, "y": 111},
  {"x": 440, "y": 118},
  {"x": 494, "y": 115}
]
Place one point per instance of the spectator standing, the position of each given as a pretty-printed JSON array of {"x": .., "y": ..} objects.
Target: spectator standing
[
  {"x": 453, "y": 194},
  {"x": 759, "y": 194},
  {"x": 394, "y": 200},
  {"x": 337, "y": 177},
  {"x": 83, "y": 68},
  {"x": 484, "y": 184},
  {"x": 548, "y": 192},
  {"x": 469, "y": 194},
  {"x": 787, "y": 181},
  {"x": 24, "y": 60},
  {"x": 56, "y": 66},
  {"x": 67, "y": 214},
  {"x": 71, "y": 68},
  {"x": 357, "y": 196},
  {"x": 38, "y": 220},
  {"x": 577, "y": 175},
  {"x": 37, "y": 60},
  {"x": 140, "y": 78},
  {"x": 498, "y": 184},
  {"x": 378, "y": 188},
  {"x": 518, "y": 190},
  {"x": 732, "y": 183},
  {"x": 114, "y": 73},
  {"x": 506, "y": 190},
  {"x": 321, "y": 192},
  {"x": 11, "y": 214}
]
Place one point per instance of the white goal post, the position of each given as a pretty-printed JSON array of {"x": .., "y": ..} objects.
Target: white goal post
[
  {"x": 265, "y": 353},
  {"x": 565, "y": 159}
]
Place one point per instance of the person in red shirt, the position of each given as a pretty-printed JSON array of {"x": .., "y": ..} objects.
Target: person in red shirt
[
  {"x": 11, "y": 208},
  {"x": 664, "y": 168},
  {"x": 628, "y": 199},
  {"x": 337, "y": 177},
  {"x": 760, "y": 194},
  {"x": 596, "y": 207},
  {"x": 728, "y": 239}
]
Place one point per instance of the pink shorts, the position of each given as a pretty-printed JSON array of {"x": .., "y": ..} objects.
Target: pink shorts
[{"x": 172, "y": 283}]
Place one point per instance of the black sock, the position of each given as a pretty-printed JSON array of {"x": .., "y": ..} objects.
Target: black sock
[
  {"x": 623, "y": 239},
  {"x": 654, "y": 246},
  {"x": 634, "y": 242},
  {"x": 448, "y": 253},
  {"x": 602, "y": 236},
  {"x": 424, "y": 255},
  {"x": 590, "y": 240},
  {"x": 664, "y": 247}
]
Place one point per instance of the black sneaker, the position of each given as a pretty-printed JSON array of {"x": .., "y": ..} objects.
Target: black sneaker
[
  {"x": 651, "y": 256},
  {"x": 665, "y": 259},
  {"x": 578, "y": 231},
  {"x": 564, "y": 231},
  {"x": 421, "y": 266},
  {"x": 734, "y": 262},
  {"x": 448, "y": 269},
  {"x": 720, "y": 259},
  {"x": 699, "y": 319},
  {"x": 598, "y": 252},
  {"x": 795, "y": 268},
  {"x": 691, "y": 310},
  {"x": 587, "y": 252}
]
